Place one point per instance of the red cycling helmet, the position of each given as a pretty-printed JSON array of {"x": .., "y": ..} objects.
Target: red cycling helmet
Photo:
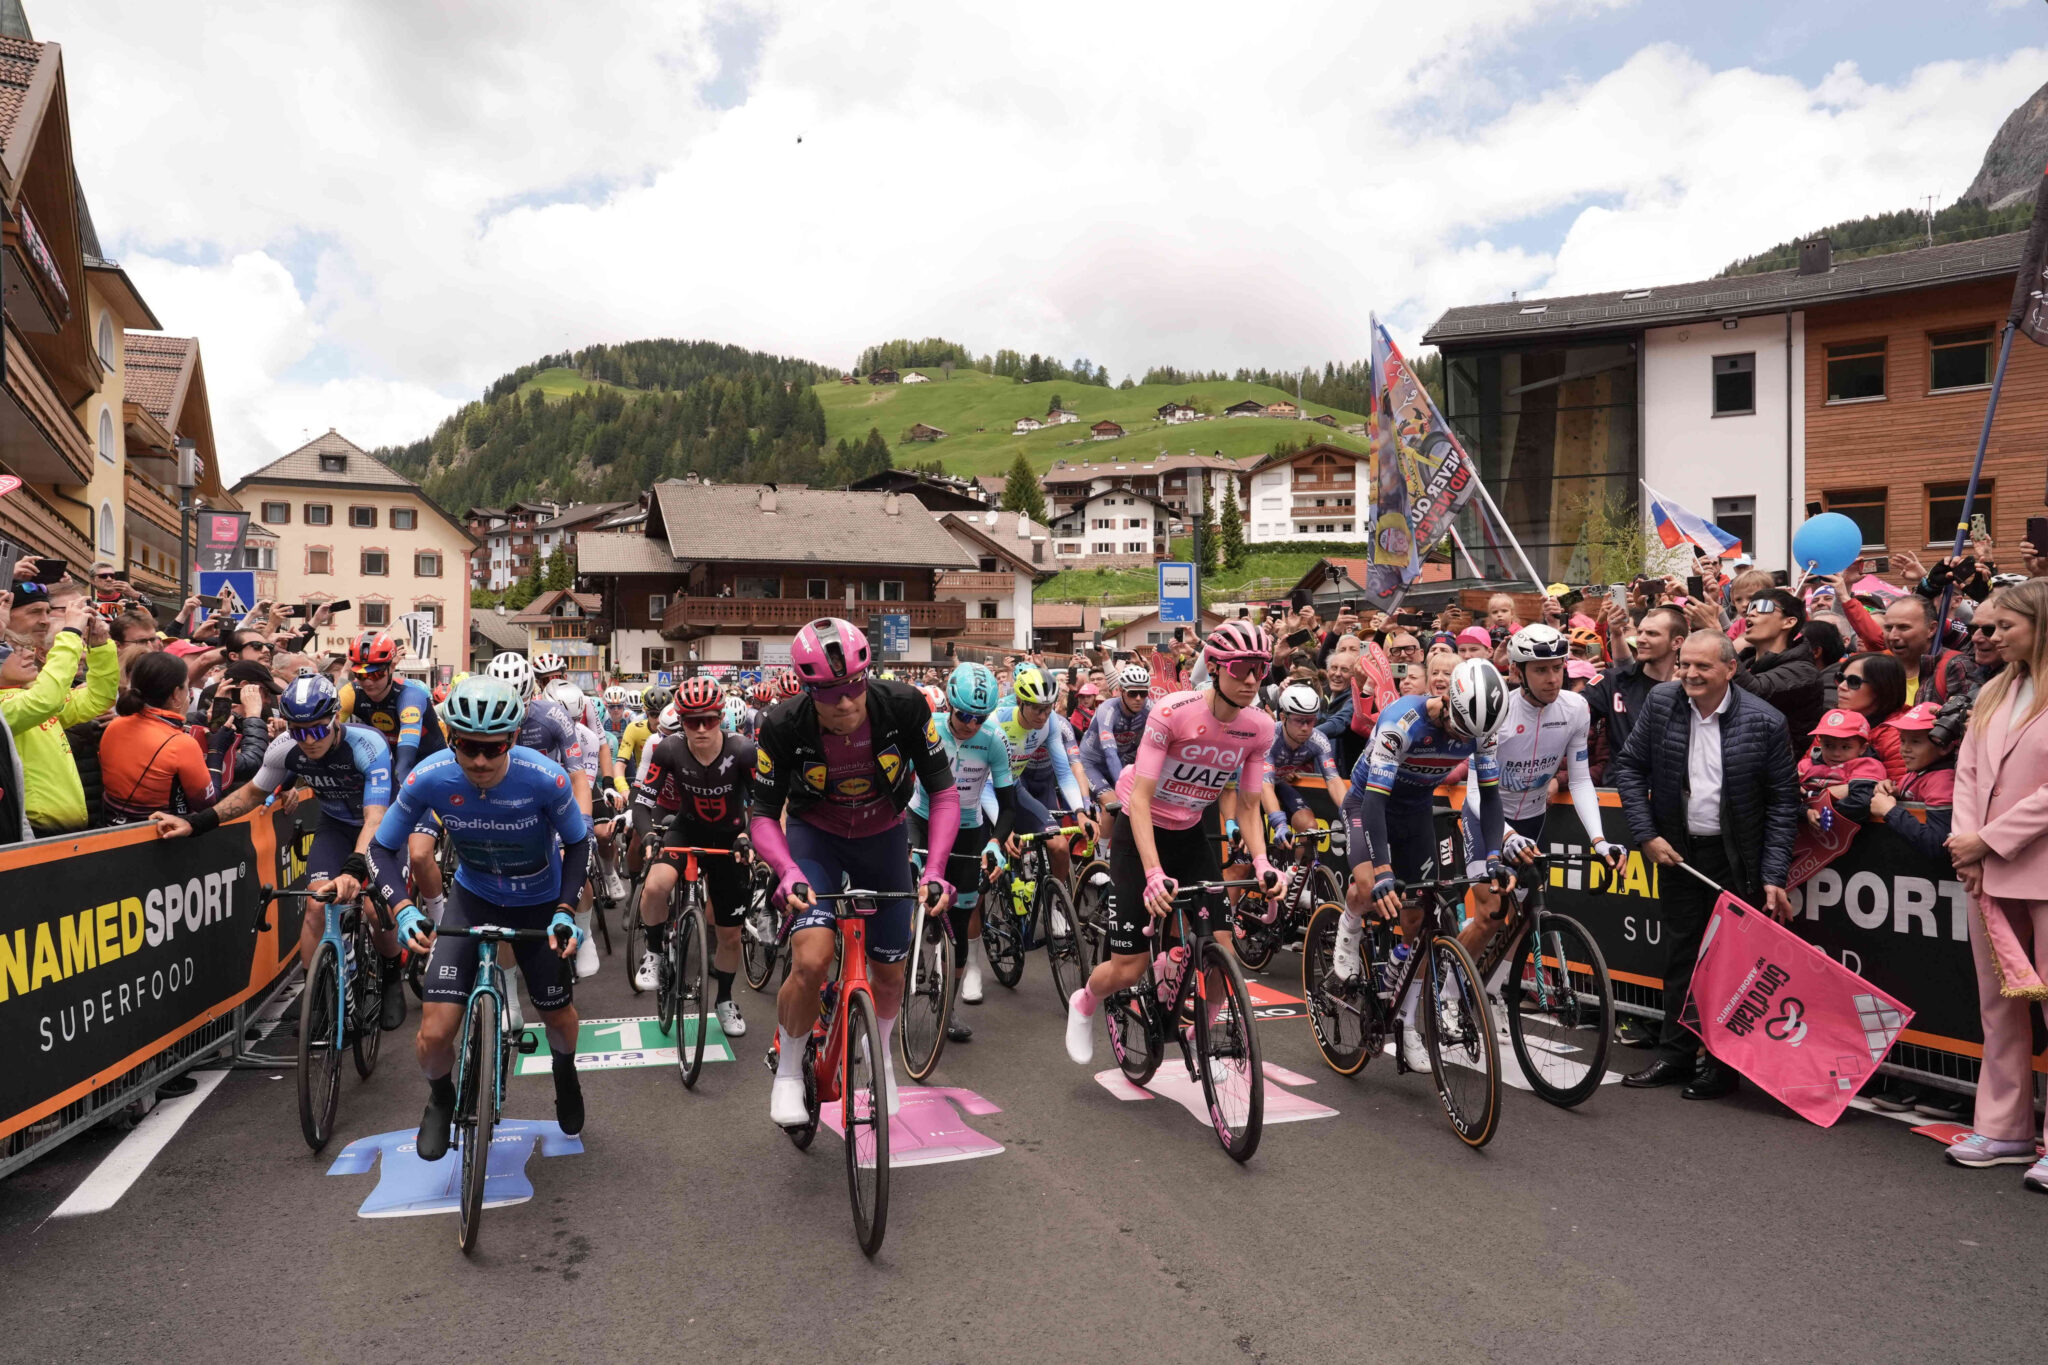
[
  {"x": 372, "y": 653},
  {"x": 763, "y": 694},
  {"x": 786, "y": 685},
  {"x": 699, "y": 695}
]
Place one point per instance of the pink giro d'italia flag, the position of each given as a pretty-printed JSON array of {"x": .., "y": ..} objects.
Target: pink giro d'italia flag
[
  {"x": 1786, "y": 1015},
  {"x": 1676, "y": 524}
]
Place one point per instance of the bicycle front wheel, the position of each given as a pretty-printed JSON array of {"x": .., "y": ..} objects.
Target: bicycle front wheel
[
  {"x": 635, "y": 933},
  {"x": 1064, "y": 946},
  {"x": 1343, "y": 1015},
  {"x": 1457, "y": 1031},
  {"x": 1227, "y": 1046},
  {"x": 927, "y": 996},
  {"x": 1002, "y": 934},
  {"x": 320, "y": 1048},
  {"x": 865, "y": 1115},
  {"x": 757, "y": 935},
  {"x": 476, "y": 1111},
  {"x": 366, "y": 998},
  {"x": 1560, "y": 1007},
  {"x": 691, "y": 992}
]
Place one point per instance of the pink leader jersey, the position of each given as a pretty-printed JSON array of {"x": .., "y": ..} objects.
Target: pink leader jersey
[{"x": 1193, "y": 756}]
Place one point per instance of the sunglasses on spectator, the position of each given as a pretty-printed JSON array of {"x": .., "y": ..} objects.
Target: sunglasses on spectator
[
  {"x": 709, "y": 722},
  {"x": 482, "y": 748},
  {"x": 1986, "y": 630},
  {"x": 314, "y": 732},
  {"x": 1761, "y": 606},
  {"x": 1851, "y": 682}
]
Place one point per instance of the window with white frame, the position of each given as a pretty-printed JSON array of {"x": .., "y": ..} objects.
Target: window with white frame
[
  {"x": 106, "y": 340},
  {"x": 110, "y": 536},
  {"x": 106, "y": 434}
]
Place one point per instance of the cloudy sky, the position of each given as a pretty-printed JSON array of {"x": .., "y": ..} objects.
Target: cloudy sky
[{"x": 368, "y": 209}]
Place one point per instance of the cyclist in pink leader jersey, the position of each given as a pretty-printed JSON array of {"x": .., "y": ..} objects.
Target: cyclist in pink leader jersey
[{"x": 1195, "y": 744}]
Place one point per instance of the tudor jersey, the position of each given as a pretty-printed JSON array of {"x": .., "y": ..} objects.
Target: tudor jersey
[
  {"x": 354, "y": 772},
  {"x": 710, "y": 795},
  {"x": 1192, "y": 756},
  {"x": 506, "y": 838},
  {"x": 1409, "y": 756}
]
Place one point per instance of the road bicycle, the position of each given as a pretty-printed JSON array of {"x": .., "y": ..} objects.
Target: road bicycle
[
  {"x": 1260, "y": 932},
  {"x": 843, "y": 1063},
  {"x": 483, "y": 1063},
  {"x": 599, "y": 901},
  {"x": 342, "y": 1007},
  {"x": 1022, "y": 905},
  {"x": 928, "y": 987},
  {"x": 1352, "y": 1018},
  {"x": 1208, "y": 1011},
  {"x": 760, "y": 944},
  {"x": 1554, "y": 988},
  {"x": 685, "y": 981}
]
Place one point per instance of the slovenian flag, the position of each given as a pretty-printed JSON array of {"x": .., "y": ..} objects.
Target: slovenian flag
[{"x": 1677, "y": 524}]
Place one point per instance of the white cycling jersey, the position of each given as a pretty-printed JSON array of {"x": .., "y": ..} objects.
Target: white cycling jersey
[{"x": 1534, "y": 742}]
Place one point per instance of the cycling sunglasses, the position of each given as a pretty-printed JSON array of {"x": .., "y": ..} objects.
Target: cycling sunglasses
[
  {"x": 315, "y": 732},
  {"x": 1243, "y": 668},
  {"x": 482, "y": 748},
  {"x": 838, "y": 692},
  {"x": 705, "y": 722},
  {"x": 1762, "y": 606},
  {"x": 970, "y": 719}
]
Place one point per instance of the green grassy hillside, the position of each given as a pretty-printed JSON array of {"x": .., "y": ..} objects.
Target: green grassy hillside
[
  {"x": 1267, "y": 573},
  {"x": 972, "y": 399},
  {"x": 561, "y": 382}
]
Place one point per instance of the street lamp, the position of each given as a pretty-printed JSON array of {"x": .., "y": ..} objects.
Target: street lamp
[{"x": 188, "y": 479}]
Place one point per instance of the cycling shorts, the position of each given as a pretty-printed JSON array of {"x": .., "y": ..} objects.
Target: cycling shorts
[
  {"x": 333, "y": 841},
  {"x": 878, "y": 862},
  {"x": 963, "y": 870},
  {"x": 452, "y": 969},
  {"x": 1290, "y": 799},
  {"x": 726, "y": 881},
  {"x": 1187, "y": 855},
  {"x": 1411, "y": 832}
]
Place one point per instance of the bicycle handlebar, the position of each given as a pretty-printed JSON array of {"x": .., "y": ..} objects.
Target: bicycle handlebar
[
  {"x": 272, "y": 893},
  {"x": 496, "y": 933}
]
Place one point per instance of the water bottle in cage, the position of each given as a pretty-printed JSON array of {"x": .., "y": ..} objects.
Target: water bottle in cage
[{"x": 1166, "y": 970}]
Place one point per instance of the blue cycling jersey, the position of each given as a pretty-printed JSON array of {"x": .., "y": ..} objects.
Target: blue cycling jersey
[
  {"x": 354, "y": 773},
  {"x": 981, "y": 767},
  {"x": 1313, "y": 757},
  {"x": 1408, "y": 757},
  {"x": 549, "y": 731},
  {"x": 405, "y": 718},
  {"x": 1111, "y": 742},
  {"x": 505, "y": 838}
]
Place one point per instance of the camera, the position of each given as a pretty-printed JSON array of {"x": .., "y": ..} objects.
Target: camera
[{"x": 1950, "y": 722}]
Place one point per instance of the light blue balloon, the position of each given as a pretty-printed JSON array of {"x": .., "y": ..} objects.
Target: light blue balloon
[{"x": 1827, "y": 544}]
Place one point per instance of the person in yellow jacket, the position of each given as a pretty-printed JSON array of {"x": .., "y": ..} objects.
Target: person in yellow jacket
[{"x": 40, "y": 703}]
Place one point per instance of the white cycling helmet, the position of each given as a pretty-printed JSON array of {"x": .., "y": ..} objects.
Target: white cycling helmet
[
  {"x": 1299, "y": 699},
  {"x": 1533, "y": 644},
  {"x": 513, "y": 669},
  {"x": 1133, "y": 678},
  {"x": 670, "y": 721},
  {"x": 547, "y": 661},
  {"x": 568, "y": 696},
  {"x": 1478, "y": 699},
  {"x": 615, "y": 695}
]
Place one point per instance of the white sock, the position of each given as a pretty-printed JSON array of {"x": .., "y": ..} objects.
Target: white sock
[
  {"x": 1410, "y": 1000},
  {"x": 888, "y": 1031},
  {"x": 435, "y": 905},
  {"x": 789, "y": 1060}
]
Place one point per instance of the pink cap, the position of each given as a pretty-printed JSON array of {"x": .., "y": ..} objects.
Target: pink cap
[
  {"x": 1581, "y": 668},
  {"x": 185, "y": 648},
  {"x": 1581, "y": 621},
  {"x": 1920, "y": 717},
  {"x": 1840, "y": 724},
  {"x": 1474, "y": 635}
]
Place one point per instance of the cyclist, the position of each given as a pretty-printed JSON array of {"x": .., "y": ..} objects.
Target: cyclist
[
  {"x": 402, "y": 711},
  {"x": 348, "y": 768},
  {"x": 844, "y": 758},
  {"x": 1544, "y": 730},
  {"x": 1389, "y": 817},
  {"x": 521, "y": 846},
  {"x": 1043, "y": 752},
  {"x": 606, "y": 802},
  {"x": 981, "y": 764},
  {"x": 618, "y": 714},
  {"x": 634, "y": 739},
  {"x": 1299, "y": 750},
  {"x": 550, "y": 668},
  {"x": 697, "y": 781},
  {"x": 1111, "y": 741},
  {"x": 1195, "y": 744}
]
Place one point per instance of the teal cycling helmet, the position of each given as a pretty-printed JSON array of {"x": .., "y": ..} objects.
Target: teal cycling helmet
[
  {"x": 483, "y": 706},
  {"x": 972, "y": 689},
  {"x": 1033, "y": 686}
]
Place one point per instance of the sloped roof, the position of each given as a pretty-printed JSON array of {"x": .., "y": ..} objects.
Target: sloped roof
[
  {"x": 499, "y": 630},
  {"x": 576, "y": 513},
  {"x": 725, "y": 522},
  {"x": 998, "y": 533},
  {"x": 1057, "y": 615},
  {"x": 19, "y": 58},
  {"x": 303, "y": 465},
  {"x": 1771, "y": 292},
  {"x": 607, "y": 552},
  {"x": 542, "y": 608},
  {"x": 153, "y": 368},
  {"x": 1063, "y": 472}
]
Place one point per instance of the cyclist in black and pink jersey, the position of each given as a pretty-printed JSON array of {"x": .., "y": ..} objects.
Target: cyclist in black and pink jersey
[{"x": 1195, "y": 745}]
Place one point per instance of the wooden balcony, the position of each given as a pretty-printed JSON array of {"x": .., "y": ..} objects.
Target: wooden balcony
[
  {"x": 146, "y": 498},
  {"x": 977, "y": 582},
  {"x": 1001, "y": 630},
  {"x": 41, "y": 437},
  {"x": 689, "y": 617}
]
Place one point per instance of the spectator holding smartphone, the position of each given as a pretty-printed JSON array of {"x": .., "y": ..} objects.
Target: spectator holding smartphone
[{"x": 39, "y": 703}]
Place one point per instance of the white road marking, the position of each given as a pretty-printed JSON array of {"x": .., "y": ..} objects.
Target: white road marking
[{"x": 125, "y": 1164}]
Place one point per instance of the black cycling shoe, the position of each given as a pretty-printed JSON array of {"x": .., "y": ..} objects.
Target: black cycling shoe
[
  {"x": 959, "y": 1033},
  {"x": 432, "y": 1142},
  {"x": 568, "y": 1097},
  {"x": 394, "y": 996}
]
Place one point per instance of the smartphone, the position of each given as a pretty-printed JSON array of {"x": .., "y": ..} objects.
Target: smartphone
[
  {"x": 210, "y": 601},
  {"x": 1351, "y": 605},
  {"x": 1781, "y": 578},
  {"x": 1401, "y": 671},
  {"x": 1695, "y": 586},
  {"x": 1980, "y": 529},
  {"x": 1179, "y": 633},
  {"x": 298, "y": 613},
  {"x": 338, "y": 607},
  {"x": 1301, "y": 637},
  {"x": 2037, "y": 534},
  {"x": 50, "y": 571}
]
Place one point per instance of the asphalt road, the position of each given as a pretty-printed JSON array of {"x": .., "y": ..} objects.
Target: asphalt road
[{"x": 1640, "y": 1227}]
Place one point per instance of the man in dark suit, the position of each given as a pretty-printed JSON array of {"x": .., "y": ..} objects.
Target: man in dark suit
[{"x": 1706, "y": 779}]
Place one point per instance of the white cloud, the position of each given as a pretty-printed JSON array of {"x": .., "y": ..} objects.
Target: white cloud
[{"x": 406, "y": 200}]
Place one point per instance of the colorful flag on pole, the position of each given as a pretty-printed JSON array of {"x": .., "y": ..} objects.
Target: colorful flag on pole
[
  {"x": 2030, "y": 291},
  {"x": 1786, "y": 1015},
  {"x": 1677, "y": 524},
  {"x": 1422, "y": 477}
]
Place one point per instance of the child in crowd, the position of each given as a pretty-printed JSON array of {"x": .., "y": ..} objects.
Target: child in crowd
[
  {"x": 1929, "y": 748},
  {"x": 1475, "y": 643},
  {"x": 1840, "y": 754}
]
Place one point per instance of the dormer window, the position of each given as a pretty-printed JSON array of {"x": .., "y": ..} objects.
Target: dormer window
[{"x": 334, "y": 464}]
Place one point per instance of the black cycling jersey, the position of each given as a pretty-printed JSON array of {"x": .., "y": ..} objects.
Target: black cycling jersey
[{"x": 708, "y": 796}]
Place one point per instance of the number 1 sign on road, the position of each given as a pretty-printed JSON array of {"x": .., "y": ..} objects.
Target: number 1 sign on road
[{"x": 1177, "y": 593}]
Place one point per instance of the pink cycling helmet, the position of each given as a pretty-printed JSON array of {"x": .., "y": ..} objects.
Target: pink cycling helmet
[
  {"x": 1236, "y": 639},
  {"x": 828, "y": 652}
]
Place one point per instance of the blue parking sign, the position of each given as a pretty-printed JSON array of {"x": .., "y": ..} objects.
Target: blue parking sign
[{"x": 1177, "y": 605}]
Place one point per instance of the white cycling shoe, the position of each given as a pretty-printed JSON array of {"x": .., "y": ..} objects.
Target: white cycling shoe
[
  {"x": 586, "y": 952},
  {"x": 970, "y": 983},
  {"x": 729, "y": 1019},
  {"x": 1414, "y": 1055},
  {"x": 786, "y": 1102},
  {"x": 1080, "y": 1030},
  {"x": 648, "y": 977},
  {"x": 1344, "y": 958},
  {"x": 614, "y": 886}
]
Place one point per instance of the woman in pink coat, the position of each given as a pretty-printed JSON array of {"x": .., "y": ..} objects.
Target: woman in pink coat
[{"x": 2000, "y": 847}]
